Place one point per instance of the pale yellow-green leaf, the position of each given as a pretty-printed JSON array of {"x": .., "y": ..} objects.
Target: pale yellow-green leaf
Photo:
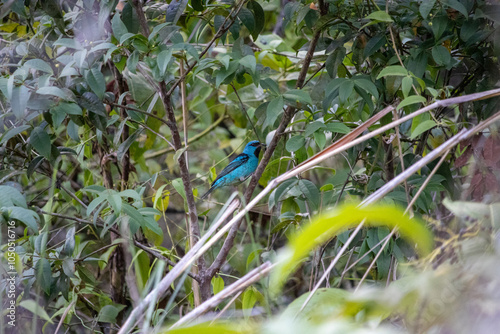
[
  {"x": 217, "y": 284},
  {"x": 329, "y": 224}
]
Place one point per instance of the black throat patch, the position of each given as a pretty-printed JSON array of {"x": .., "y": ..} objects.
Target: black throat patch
[{"x": 257, "y": 151}]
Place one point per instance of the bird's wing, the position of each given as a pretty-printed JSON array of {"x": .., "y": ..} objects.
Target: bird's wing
[{"x": 237, "y": 162}]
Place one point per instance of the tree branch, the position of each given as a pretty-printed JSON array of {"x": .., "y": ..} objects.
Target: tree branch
[
  {"x": 137, "y": 4},
  {"x": 186, "y": 182}
]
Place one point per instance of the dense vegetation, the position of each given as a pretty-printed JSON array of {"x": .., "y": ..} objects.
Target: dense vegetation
[{"x": 375, "y": 207}]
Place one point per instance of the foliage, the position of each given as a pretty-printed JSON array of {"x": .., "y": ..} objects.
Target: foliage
[{"x": 116, "y": 115}]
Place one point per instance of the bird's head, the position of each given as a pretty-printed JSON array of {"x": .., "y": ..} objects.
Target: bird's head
[{"x": 253, "y": 147}]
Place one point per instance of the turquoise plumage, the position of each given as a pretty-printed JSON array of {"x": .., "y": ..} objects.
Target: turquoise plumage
[{"x": 238, "y": 170}]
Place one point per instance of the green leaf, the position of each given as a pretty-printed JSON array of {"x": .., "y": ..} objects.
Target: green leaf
[
  {"x": 345, "y": 90},
  {"x": 426, "y": 7},
  {"x": 406, "y": 85},
  {"x": 52, "y": 90},
  {"x": 36, "y": 309},
  {"x": 422, "y": 127},
  {"x": 249, "y": 62},
  {"x": 178, "y": 153},
  {"x": 109, "y": 313},
  {"x": 281, "y": 190},
  {"x": 130, "y": 18},
  {"x": 13, "y": 132},
  {"x": 95, "y": 79},
  {"x": 33, "y": 165},
  {"x": 374, "y": 44},
  {"x": 174, "y": 10},
  {"x": 129, "y": 193},
  {"x": 337, "y": 127},
  {"x": 115, "y": 201},
  {"x": 125, "y": 37},
  {"x": 441, "y": 55},
  {"x": 310, "y": 192},
  {"x": 132, "y": 61},
  {"x": 10, "y": 196},
  {"x": 197, "y": 5},
  {"x": 86, "y": 275},
  {"x": 123, "y": 148},
  {"x": 68, "y": 267},
  {"x": 313, "y": 127},
  {"x": 320, "y": 139},
  {"x": 458, "y": 6},
  {"x": 40, "y": 141},
  {"x": 217, "y": 284},
  {"x": 95, "y": 203},
  {"x": 331, "y": 223},
  {"x": 92, "y": 103},
  {"x": 39, "y": 65},
  {"x": 179, "y": 187},
  {"x": 25, "y": 216},
  {"x": 395, "y": 70},
  {"x": 274, "y": 109},
  {"x": 367, "y": 86},
  {"x": 19, "y": 100},
  {"x": 134, "y": 214},
  {"x": 119, "y": 28},
  {"x": 411, "y": 100},
  {"x": 295, "y": 143},
  {"x": 98, "y": 121},
  {"x": 270, "y": 85},
  {"x": 246, "y": 16},
  {"x": 162, "y": 60},
  {"x": 380, "y": 15},
  {"x": 250, "y": 297},
  {"x": 43, "y": 274},
  {"x": 68, "y": 108},
  {"x": 298, "y": 95},
  {"x": 69, "y": 244},
  {"x": 69, "y": 43},
  {"x": 259, "y": 16},
  {"x": 334, "y": 60}
]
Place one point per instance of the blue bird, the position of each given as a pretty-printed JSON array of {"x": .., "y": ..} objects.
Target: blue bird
[{"x": 239, "y": 169}]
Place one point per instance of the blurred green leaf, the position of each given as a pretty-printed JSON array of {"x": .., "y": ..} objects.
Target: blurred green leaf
[{"x": 329, "y": 224}]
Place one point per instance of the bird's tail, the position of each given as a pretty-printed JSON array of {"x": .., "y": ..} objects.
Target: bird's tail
[{"x": 205, "y": 195}]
